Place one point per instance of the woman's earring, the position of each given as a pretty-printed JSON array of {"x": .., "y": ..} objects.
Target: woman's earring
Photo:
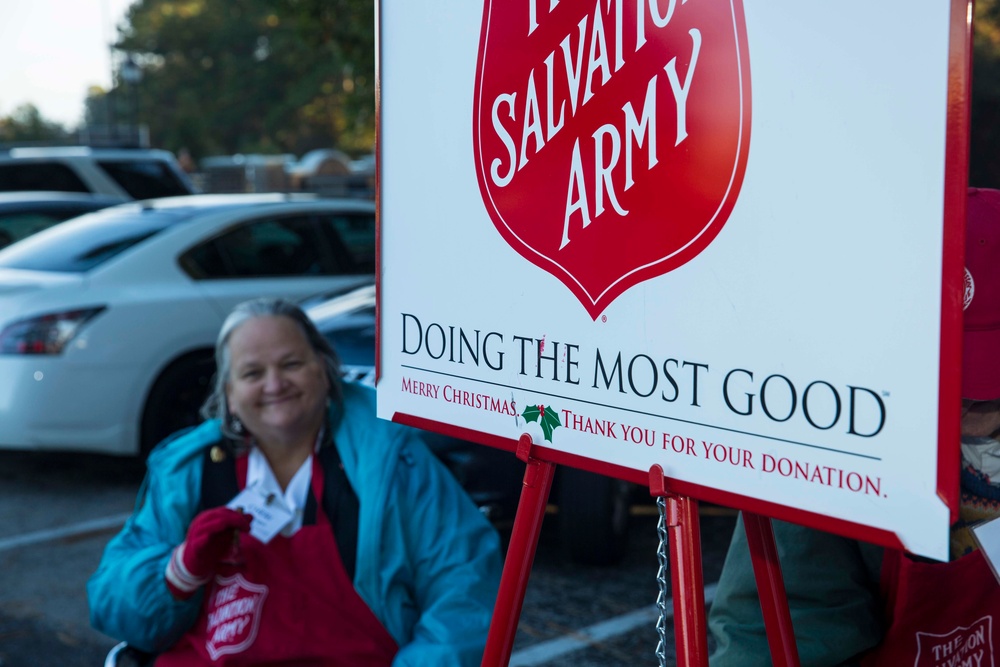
[{"x": 237, "y": 425}]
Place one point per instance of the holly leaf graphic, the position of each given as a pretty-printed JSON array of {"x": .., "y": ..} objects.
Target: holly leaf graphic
[{"x": 546, "y": 417}]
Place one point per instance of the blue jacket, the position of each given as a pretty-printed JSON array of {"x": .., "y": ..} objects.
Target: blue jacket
[{"x": 428, "y": 563}]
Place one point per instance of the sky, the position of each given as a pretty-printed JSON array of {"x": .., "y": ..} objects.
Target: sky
[{"x": 53, "y": 51}]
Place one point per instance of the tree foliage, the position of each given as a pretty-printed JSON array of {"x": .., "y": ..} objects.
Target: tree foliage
[
  {"x": 26, "y": 125},
  {"x": 287, "y": 76},
  {"x": 232, "y": 76},
  {"x": 984, "y": 141}
]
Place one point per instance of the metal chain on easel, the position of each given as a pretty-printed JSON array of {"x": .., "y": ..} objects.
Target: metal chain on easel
[{"x": 662, "y": 573}]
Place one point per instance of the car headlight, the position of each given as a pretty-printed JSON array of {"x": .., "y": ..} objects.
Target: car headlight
[{"x": 45, "y": 334}]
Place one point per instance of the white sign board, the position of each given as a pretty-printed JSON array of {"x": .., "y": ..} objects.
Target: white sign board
[{"x": 704, "y": 234}]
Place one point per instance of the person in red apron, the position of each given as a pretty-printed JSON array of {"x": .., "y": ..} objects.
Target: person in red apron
[
  {"x": 857, "y": 605},
  {"x": 339, "y": 540},
  {"x": 254, "y": 609},
  {"x": 949, "y": 613}
]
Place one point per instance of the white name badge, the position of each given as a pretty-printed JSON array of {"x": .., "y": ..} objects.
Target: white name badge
[
  {"x": 270, "y": 514},
  {"x": 988, "y": 536}
]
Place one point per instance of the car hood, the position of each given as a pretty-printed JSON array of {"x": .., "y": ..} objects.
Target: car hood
[{"x": 13, "y": 281}]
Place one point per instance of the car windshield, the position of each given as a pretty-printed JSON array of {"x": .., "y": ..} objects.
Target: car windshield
[
  {"x": 83, "y": 243},
  {"x": 145, "y": 179}
]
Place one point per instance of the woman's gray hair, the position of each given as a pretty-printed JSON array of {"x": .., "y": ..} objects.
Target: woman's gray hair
[{"x": 215, "y": 406}]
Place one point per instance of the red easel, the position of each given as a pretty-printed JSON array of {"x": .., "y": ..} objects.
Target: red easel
[{"x": 690, "y": 629}]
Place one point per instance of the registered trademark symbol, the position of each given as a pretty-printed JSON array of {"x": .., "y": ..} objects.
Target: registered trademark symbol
[
  {"x": 604, "y": 318},
  {"x": 885, "y": 394}
]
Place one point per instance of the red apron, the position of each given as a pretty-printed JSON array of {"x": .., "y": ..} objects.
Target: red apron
[
  {"x": 940, "y": 614},
  {"x": 290, "y": 603}
]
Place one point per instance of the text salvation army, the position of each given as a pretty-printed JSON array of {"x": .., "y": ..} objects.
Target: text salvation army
[{"x": 611, "y": 138}]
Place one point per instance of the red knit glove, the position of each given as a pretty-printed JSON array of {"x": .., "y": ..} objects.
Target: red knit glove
[{"x": 209, "y": 539}]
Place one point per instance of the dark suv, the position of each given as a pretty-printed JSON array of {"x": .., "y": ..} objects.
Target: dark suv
[{"x": 118, "y": 172}]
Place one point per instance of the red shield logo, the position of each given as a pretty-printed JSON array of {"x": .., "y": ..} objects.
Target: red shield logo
[
  {"x": 233, "y": 618},
  {"x": 972, "y": 645},
  {"x": 611, "y": 136}
]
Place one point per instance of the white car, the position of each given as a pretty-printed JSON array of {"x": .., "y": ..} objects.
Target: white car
[{"x": 108, "y": 321}]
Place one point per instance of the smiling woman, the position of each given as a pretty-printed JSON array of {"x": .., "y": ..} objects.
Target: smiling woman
[
  {"x": 276, "y": 386},
  {"x": 295, "y": 526}
]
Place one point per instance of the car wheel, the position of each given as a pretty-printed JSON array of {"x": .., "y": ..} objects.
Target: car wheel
[
  {"x": 593, "y": 516},
  {"x": 175, "y": 398}
]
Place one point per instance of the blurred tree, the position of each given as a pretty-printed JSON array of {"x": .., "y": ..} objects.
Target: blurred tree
[
  {"x": 984, "y": 149},
  {"x": 242, "y": 76},
  {"x": 232, "y": 76},
  {"x": 26, "y": 125},
  {"x": 95, "y": 107},
  {"x": 103, "y": 116}
]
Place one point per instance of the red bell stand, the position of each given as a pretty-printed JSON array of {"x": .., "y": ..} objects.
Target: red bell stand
[
  {"x": 520, "y": 554},
  {"x": 684, "y": 531},
  {"x": 771, "y": 590},
  {"x": 690, "y": 628}
]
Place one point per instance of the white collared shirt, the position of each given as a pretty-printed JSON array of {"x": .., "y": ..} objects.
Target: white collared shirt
[{"x": 294, "y": 497}]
